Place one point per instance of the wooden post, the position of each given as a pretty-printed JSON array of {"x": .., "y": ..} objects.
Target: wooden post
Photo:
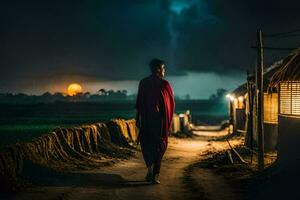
[
  {"x": 260, "y": 100},
  {"x": 250, "y": 114}
]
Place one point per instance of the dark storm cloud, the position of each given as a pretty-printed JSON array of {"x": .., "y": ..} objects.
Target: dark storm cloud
[
  {"x": 221, "y": 40},
  {"x": 100, "y": 40},
  {"x": 42, "y": 41}
]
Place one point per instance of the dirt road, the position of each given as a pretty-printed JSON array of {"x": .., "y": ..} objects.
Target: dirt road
[{"x": 125, "y": 180}]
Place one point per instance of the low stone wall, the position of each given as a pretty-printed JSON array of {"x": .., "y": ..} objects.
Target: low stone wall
[{"x": 67, "y": 148}]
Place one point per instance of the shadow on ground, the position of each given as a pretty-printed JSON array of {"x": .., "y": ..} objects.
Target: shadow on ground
[{"x": 42, "y": 176}]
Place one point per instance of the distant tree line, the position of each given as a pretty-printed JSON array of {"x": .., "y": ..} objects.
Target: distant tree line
[
  {"x": 47, "y": 97},
  {"x": 219, "y": 95},
  {"x": 102, "y": 95}
]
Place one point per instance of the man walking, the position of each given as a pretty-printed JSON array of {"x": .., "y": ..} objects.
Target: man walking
[{"x": 155, "y": 106}]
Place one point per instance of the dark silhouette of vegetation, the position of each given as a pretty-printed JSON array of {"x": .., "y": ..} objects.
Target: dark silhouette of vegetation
[
  {"x": 219, "y": 95},
  {"x": 102, "y": 95},
  {"x": 47, "y": 97}
]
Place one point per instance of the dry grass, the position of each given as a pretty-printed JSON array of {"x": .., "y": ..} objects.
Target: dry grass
[
  {"x": 245, "y": 178},
  {"x": 67, "y": 149}
]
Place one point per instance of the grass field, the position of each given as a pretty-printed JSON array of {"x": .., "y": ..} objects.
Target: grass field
[{"x": 19, "y": 123}]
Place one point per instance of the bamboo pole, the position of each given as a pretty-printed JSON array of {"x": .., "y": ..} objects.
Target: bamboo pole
[
  {"x": 230, "y": 157},
  {"x": 260, "y": 99},
  {"x": 250, "y": 114},
  {"x": 236, "y": 153}
]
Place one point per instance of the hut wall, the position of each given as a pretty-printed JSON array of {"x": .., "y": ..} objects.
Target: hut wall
[
  {"x": 240, "y": 119},
  {"x": 270, "y": 136},
  {"x": 270, "y": 121},
  {"x": 271, "y": 108},
  {"x": 239, "y": 114},
  {"x": 288, "y": 139}
]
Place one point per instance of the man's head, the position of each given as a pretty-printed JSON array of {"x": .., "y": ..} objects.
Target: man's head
[{"x": 157, "y": 67}]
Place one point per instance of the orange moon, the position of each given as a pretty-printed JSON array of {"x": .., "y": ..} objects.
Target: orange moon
[{"x": 74, "y": 89}]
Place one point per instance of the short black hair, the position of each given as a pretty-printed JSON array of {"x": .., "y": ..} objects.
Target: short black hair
[{"x": 155, "y": 63}]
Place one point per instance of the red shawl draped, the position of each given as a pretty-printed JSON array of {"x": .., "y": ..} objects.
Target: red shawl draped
[{"x": 155, "y": 104}]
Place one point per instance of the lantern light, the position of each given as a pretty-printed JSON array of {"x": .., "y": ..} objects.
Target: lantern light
[
  {"x": 230, "y": 97},
  {"x": 241, "y": 98},
  {"x": 181, "y": 115}
]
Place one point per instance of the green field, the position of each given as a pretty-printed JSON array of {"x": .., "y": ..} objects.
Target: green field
[
  {"x": 23, "y": 122},
  {"x": 19, "y": 123}
]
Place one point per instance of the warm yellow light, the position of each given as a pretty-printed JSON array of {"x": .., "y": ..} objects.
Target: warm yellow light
[
  {"x": 74, "y": 89},
  {"x": 241, "y": 98},
  {"x": 230, "y": 97}
]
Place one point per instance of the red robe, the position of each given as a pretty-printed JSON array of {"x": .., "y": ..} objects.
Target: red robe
[{"x": 155, "y": 104}]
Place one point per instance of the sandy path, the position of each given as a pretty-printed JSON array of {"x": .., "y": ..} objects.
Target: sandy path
[{"x": 125, "y": 180}]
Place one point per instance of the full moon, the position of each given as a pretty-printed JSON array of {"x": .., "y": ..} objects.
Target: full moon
[{"x": 74, "y": 89}]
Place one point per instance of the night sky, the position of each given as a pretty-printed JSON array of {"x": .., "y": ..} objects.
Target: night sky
[{"x": 45, "y": 45}]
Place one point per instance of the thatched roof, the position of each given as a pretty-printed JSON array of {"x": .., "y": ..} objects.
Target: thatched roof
[
  {"x": 289, "y": 70},
  {"x": 241, "y": 90},
  {"x": 268, "y": 73}
]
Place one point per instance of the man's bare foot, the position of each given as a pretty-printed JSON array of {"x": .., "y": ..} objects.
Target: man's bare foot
[{"x": 155, "y": 179}]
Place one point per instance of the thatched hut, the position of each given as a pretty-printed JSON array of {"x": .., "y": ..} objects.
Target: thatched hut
[
  {"x": 243, "y": 110},
  {"x": 287, "y": 80},
  {"x": 181, "y": 122}
]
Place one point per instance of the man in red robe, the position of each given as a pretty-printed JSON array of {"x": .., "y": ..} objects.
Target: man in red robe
[{"x": 155, "y": 106}]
